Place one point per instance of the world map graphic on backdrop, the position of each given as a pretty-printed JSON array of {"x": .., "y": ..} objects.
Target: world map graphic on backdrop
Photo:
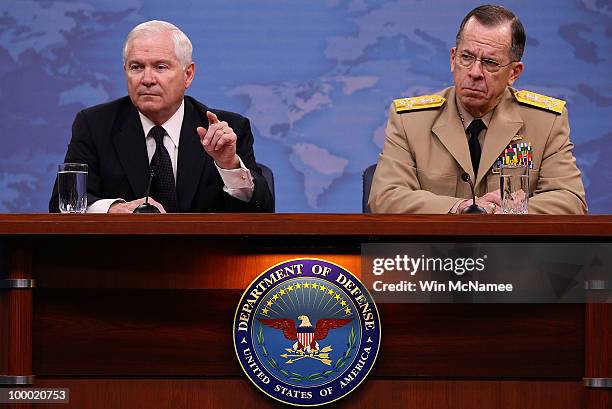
[{"x": 315, "y": 78}]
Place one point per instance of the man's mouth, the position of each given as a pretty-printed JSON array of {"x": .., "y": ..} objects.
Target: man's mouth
[{"x": 475, "y": 90}]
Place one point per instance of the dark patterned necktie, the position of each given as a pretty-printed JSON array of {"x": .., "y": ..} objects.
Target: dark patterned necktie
[
  {"x": 163, "y": 188},
  {"x": 474, "y": 129}
]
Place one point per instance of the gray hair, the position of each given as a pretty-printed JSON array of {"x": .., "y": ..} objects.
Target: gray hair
[
  {"x": 182, "y": 45},
  {"x": 491, "y": 16}
]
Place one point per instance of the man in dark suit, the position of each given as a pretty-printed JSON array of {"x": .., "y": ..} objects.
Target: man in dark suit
[{"x": 202, "y": 159}]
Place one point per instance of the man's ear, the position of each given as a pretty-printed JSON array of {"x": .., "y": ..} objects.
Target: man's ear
[
  {"x": 453, "y": 52},
  {"x": 189, "y": 74},
  {"x": 517, "y": 70}
]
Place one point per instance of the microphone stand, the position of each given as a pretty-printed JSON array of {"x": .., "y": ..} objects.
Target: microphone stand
[
  {"x": 146, "y": 207},
  {"x": 473, "y": 208}
]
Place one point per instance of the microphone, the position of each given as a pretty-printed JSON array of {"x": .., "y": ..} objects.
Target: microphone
[
  {"x": 473, "y": 208},
  {"x": 146, "y": 207}
]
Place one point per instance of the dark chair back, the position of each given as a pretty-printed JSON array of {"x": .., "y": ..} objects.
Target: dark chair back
[
  {"x": 368, "y": 174},
  {"x": 267, "y": 173}
]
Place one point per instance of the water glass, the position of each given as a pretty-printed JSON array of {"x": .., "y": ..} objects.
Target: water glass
[
  {"x": 72, "y": 187},
  {"x": 514, "y": 188}
]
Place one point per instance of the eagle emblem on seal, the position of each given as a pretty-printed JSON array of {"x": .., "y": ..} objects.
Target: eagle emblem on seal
[{"x": 306, "y": 336}]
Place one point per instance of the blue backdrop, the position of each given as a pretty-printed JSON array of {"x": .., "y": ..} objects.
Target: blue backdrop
[{"x": 314, "y": 77}]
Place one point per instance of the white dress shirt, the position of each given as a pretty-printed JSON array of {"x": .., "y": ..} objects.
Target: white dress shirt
[{"x": 237, "y": 182}]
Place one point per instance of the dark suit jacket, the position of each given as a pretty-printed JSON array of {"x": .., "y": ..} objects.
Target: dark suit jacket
[{"x": 110, "y": 139}]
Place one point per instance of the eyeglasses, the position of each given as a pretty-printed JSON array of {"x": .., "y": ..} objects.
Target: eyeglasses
[{"x": 466, "y": 60}]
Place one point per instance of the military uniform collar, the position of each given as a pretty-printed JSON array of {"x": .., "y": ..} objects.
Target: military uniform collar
[{"x": 467, "y": 118}]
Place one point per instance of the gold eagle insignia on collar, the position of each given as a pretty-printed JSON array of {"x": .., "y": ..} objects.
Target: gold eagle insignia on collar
[
  {"x": 540, "y": 101},
  {"x": 418, "y": 103}
]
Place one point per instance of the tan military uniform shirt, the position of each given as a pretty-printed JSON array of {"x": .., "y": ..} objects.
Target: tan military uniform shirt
[{"x": 426, "y": 152}]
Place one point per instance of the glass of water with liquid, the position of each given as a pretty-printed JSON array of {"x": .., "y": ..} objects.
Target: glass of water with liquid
[
  {"x": 72, "y": 186},
  {"x": 514, "y": 188}
]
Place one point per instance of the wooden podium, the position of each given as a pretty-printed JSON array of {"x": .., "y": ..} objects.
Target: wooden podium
[{"x": 136, "y": 311}]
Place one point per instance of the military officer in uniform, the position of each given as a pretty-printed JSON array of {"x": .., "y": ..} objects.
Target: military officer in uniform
[{"x": 471, "y": 128}]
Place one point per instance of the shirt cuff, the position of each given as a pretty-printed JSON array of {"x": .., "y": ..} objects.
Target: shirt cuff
[
  {"x": 238, "y": 183},
  {"x": 454, "y": 209},
  {"x": 102, "y": 205}
]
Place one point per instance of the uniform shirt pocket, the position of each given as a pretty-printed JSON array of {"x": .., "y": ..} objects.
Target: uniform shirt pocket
[{"x": 439, "y": 184}]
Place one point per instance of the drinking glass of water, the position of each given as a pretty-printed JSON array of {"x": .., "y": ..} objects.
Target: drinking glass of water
[
  {"x": 514, "y": 188},
  {"x": 72, "y": 186}
]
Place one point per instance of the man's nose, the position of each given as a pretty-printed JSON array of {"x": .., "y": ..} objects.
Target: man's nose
[
  {"x": 148, "y": 77},
  {"x": 476, "y": 70}
]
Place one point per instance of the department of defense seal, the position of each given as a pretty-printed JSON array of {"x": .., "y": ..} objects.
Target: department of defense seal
[{"x": 306, "y": 332}]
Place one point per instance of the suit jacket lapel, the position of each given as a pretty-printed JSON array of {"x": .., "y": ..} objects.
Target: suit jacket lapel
[
  {"x": 505, "y": 123},
  {"x": 191, "y": 155},
  {"x": 450, "y": 131},
  {"x": 129, "y": 141}
]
